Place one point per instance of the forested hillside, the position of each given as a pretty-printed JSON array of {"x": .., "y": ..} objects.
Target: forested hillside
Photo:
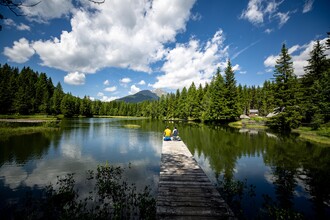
[{"x": 296, "y": 100}]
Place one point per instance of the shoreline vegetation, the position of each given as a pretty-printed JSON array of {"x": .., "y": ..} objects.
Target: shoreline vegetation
[
  {"x": 11, "y": 125},
  {"x": 321, "y": 136}
]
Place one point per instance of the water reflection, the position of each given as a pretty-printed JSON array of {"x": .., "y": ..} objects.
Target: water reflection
[
  {"x": 294, "y": 173},
  {"x": 35, "y": 160}
]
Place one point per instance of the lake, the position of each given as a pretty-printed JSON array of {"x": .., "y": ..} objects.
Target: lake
[{"x": 292, "y": 173}]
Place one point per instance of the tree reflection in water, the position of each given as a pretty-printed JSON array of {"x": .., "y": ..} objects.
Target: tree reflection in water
[{"x": 298, "y": 171}]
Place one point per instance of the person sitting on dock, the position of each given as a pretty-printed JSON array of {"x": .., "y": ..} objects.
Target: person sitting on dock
[
  {"x": 167, "y": 134},
  {"x": 175, "y": 134}
]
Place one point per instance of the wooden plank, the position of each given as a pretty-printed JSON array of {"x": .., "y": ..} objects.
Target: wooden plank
[{"x": 185, "y": 191}]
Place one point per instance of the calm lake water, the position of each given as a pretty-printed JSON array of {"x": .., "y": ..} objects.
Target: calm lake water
[{"x": 293, "y": 173}]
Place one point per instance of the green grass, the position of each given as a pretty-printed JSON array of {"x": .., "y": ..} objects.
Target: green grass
[
  {"x": 132, "y": 126},
  {"x": 321, "y": 136},
  {"x": 255, "y": 122},
  {"x": 236, "y": 124},
  {"x": 10, "y": 131},
  {"x": 256, "y": 126},
  {"x": 42, "y": 123}
]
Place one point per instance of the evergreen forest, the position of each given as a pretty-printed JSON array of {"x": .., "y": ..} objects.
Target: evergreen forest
[{"x": 293, "y": 100}]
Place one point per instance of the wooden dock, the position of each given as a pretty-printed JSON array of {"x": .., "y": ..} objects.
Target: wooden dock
[{"x": 184, "y": 190}]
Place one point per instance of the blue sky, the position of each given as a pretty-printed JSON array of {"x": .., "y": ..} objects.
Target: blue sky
[{"x": 120, "y": 47}]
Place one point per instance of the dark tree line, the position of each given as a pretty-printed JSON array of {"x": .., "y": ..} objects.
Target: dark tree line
[{"x": 295, "y": 99}]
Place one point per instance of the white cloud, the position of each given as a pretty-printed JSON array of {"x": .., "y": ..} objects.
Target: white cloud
[
  {"x": 75, "y": 78},
  {"x": 258, "y": 12},
  {"x": 9, "y": 22},
  {"x": 293, "y": 49},
  {"x": 20, "y": 52},
  {"x": 270, "y": 61},
  {"x": 125, "y": 80},
  {"x": 299, "y": 55},
  {"x": 284, "y": 17},
  {"x": 20, "y": 27},
  {"x": 105, "y": 98},
  {"x": 106, "y": 83},
  {"x": 23, "y": 27},
  {"x": 253, "y": 13},
  {"x": 109, "y": 98},
  {"x": 134, "y": 89},
  {"x": 308, "y": 6},
  {"x": 197, "y": 63},
  {"x": 196, "y": 17},
  {"x": 269, "y": 70},
  {"x": 47, "y": 10},
  {"x": 125, "y": 34},
  {"x": 236, "y": 67},
  {"x": 142, "y": 82},
  {"x": 268, "y": 30},
  {"x": 110, "y": 89}
]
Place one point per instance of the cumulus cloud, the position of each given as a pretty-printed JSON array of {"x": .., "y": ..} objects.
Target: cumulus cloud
[
  {"x": 308, "y": 6},
  {"x": 134, "y": 89},
  {"x": 299, "y": 55},
  {"x": 271, "y": 61},
  {"x": 142, "y": 82},
  {"x": 105, "y": 98},
  {"x": 110, "y": 89},
  {"x": 126, "y": 34},
  {"x": 47, "y": 10},
  {"x": 125, "y": 80},
  {"x": 75, "y": 78},
  {"x": 259, "y": 11},
  {"x": 197, "y": 63},
  {"x": 106, "y": 83},
  {"x": 20, "y": 52}
]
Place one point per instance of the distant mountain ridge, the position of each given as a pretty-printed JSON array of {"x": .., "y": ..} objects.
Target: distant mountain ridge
[{"x": 144, "y": 95}]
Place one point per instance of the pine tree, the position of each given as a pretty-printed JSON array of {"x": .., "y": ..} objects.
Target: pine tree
[
  {"x": 25, "y": 96},
  {"x": 231, "y": 100},
  {"x": 182, "y": 105},
  {"x": 57, "y": 99},
  {"x": 42, "y": 94},
  {"x": 8, "y": 88},
  {"x": 192, "y": 101},
  {"x": 286, "y": 100},
  {"x": 311, "y": 82},
  {"x": 67, "y": 105},
  {"x": 86, "y": 107},
  {"x": 216, "y": 109},
  {"x": 199, "y": 97}
]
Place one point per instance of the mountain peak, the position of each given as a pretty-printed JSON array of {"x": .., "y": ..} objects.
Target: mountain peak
[
  {"x": 159, "y": 92},
  {"x": 144, "y": 95}
]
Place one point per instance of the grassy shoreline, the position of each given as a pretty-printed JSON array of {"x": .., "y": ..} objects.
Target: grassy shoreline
[
  {"x": 321, "y": 136},
  {"x": 12, "y": 125}
]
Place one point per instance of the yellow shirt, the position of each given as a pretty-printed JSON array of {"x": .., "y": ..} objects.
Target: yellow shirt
[{"x": 167, "y": 132}]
